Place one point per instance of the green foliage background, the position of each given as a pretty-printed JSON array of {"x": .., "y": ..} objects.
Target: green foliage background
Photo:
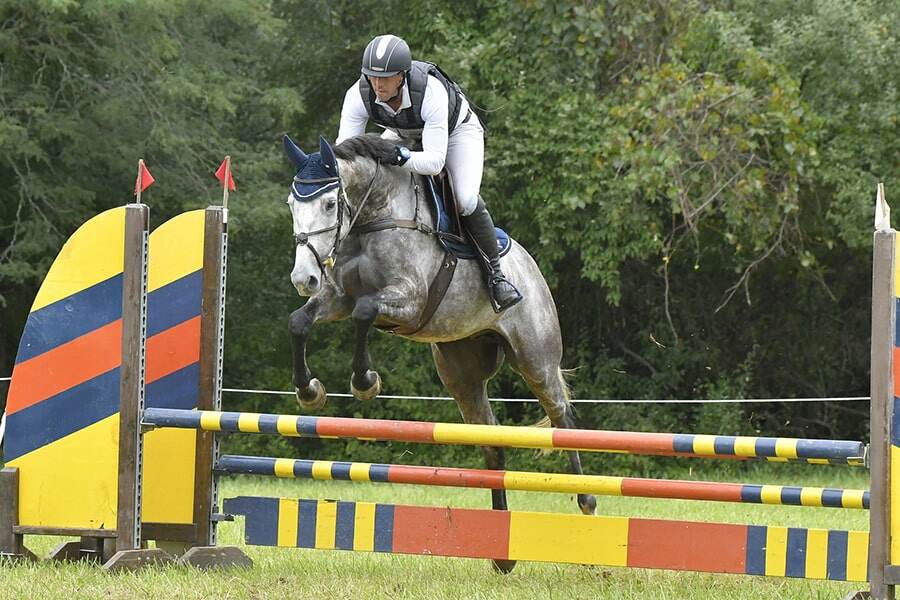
[{"x": 696, "y": 180}]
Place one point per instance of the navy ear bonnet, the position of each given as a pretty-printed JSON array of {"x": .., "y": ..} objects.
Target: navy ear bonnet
[{"x": 317, "y": 173}]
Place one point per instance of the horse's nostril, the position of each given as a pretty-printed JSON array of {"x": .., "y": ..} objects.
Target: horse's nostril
[{"x": 312, "y": 283}]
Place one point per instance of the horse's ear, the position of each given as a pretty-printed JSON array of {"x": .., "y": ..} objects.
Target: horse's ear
[
  {"x": 297, "y": 156},
  {"x": 328, "y": 158}
]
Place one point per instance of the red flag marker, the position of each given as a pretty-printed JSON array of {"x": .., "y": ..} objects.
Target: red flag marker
[
  {"x": 223, "y": 173},
  {"x": 144, "y": 179}
]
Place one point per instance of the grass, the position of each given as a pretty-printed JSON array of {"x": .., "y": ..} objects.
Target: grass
[{"x": 282, "y": 573}]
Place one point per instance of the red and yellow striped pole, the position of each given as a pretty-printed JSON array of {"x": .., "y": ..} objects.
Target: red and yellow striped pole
[{"x": 544, "y": 482}]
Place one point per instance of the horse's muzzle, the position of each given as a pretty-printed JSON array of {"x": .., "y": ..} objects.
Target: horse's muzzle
[{"x": 306, "y": 285}]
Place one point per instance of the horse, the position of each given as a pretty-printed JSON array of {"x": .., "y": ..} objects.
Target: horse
[{"x": 364, "y": 250}]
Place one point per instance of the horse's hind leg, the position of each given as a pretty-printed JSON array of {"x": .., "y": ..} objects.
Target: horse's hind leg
[
  {"x": 545, "y": 379},
  {"x": 465, "y": 366}
]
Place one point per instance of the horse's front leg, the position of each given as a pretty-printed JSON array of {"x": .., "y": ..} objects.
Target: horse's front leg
[
  {"x": 365, "y": 383},
  {"x": 395, "y": 305},
  {"x": 324, "y": 306}
]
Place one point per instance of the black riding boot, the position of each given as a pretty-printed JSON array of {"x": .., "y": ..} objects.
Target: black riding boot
[{"x": 481, "y": 227}]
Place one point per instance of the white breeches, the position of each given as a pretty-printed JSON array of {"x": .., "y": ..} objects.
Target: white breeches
[{"x": 464, "y": 162}]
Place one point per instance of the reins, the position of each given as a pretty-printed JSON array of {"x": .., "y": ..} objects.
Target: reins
[{"x": 302, "y": 239}]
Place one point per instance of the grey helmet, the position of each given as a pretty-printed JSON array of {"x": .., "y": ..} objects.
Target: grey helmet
[{"x": 386, "y": 55}]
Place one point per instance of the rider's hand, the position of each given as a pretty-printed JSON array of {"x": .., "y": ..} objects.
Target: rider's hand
[{"x": 401, "y": 155}]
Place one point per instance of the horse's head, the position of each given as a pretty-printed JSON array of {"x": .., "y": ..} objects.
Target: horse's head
[
  {"x": 322, "y": 213},
  {"x": 318, "y": 208}
]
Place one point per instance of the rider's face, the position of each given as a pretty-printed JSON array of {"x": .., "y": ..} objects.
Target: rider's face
[{"x": 386, "y": 87}]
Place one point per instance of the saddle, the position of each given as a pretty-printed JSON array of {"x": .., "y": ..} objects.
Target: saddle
[
  {"x": 451, "y": 234},
  {"x": 454, "y": 239}
]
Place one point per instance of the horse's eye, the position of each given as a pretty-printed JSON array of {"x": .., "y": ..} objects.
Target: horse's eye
[{"x": 330, "y": 205}]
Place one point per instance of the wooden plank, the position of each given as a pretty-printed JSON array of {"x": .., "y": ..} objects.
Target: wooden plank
[
  {"x": 209, "y": 398},
  {"x": 87, "y": 549},
  {"x": 134, "y": 318},
  {"x": 12, "y": 543},
  {"x": 9, "y": 509},
  {"x": 66, "y": 531},
  {"x": 209, "y": 557},
  {"x": 170, "y": 532},
  {"x": 881, "y": 387},
  {"x": 134, "y": 560}
]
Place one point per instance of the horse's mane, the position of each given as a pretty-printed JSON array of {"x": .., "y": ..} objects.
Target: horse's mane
[{"x": 370, "y": 145}]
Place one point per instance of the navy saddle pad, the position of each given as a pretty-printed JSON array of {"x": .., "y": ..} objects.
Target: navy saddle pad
[{"x": 447, "y": 225}]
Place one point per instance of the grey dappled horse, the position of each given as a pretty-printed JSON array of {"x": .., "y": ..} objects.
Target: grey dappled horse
[{"x": 381, "y": 276}]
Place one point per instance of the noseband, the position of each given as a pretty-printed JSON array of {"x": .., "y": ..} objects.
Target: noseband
[{"x": 302, "y": 238}]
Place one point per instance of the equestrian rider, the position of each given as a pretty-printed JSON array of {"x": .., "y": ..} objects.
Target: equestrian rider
[{"x": 415, "y": 100}]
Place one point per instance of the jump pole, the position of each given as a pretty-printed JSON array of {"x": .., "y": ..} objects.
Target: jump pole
[
  {"x": 601, "y": 485},
  {"x": 659, "y": 444}
]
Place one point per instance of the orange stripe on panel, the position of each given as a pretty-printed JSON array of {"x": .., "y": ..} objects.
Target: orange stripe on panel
[
  {"x": 65, "y": 366},
  {"x": 687, "y": 546},
  {"x": 173, "y": 349},
  {"x": 451, "y": 532},
  {"x": 896, "y": 368}
]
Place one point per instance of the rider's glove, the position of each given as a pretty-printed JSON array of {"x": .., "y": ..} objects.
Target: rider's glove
[{"x": 401, "y": 155}]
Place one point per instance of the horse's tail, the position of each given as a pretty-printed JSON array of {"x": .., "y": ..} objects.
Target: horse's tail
[{"x": 567, "y": 391}]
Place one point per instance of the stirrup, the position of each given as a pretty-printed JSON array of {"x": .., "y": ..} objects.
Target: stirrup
[{"x": 497, "y": 306}]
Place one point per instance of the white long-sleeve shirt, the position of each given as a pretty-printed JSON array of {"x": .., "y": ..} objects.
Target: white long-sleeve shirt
[{"x": 435, "y": 104}]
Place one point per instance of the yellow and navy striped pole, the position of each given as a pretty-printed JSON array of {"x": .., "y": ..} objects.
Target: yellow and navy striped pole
[
  {"x": 628, "y": 442},
  {"x": 544, "y": 482}
]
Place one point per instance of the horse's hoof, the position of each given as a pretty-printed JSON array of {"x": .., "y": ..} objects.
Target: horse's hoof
[
  {"x": 313, "y": 397},
  {"x": 587, "y": 503},
  {"x": 503, "y": 566},
  {"x": 373, "y": 379}
]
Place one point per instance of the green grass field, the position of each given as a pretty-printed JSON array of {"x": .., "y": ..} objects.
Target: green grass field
[{"x": 285, "y": 573}]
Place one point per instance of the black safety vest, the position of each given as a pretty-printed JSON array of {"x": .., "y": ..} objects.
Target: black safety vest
[{"x": 410, "y": 119}]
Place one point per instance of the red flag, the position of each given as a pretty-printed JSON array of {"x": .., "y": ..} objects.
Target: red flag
[
  {"x": 144, "y": 179},
  {"x": 224, "y": 171}
]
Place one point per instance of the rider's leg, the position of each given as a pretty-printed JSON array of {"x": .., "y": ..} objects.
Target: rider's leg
[
  {"x": 481, "y": 227},
  {"x": 465, "y": 163}
]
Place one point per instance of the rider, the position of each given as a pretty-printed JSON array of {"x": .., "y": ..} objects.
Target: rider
[{"x": 415, "y": 100}]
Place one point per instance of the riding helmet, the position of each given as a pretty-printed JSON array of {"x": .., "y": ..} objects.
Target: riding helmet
[{"x": 386, "y": 55}]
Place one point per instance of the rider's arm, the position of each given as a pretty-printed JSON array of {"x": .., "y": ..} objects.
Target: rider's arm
[
  {"x": 430, "y": 160},
  {"x": 353, "y": 115}
]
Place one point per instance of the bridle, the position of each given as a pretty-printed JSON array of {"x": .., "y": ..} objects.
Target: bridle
[{"x": 302, "y": 238}]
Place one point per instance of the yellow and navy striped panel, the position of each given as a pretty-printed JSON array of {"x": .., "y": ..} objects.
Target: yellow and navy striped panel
[
  {"x": 807, "y": 553},
  {"x": 549, "y": 537},
  {"x": 175, "y": 288},
  {"x": 317, "y": 524},
  {"x": 61, "y": 430}
]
